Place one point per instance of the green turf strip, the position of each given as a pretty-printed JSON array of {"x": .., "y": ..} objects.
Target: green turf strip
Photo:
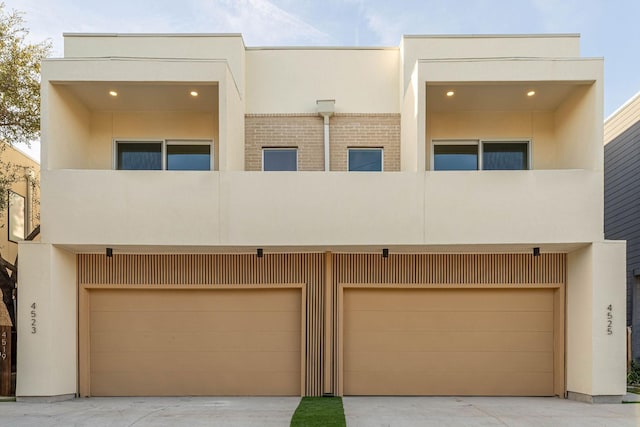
[{"x": 319, "y": 412}]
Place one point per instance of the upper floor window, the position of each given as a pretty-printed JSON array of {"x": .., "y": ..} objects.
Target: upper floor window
[
  {"x": 480, "y": 155},
  {"x": 365, "y": 159},
  {"x": 135, "y": 155},
  {"x": 164, "y": 155},
  {"x": 17, "y": 210},
  {"x": 279, "y": 159},
  {"x": 455, "y": 157},
  {"x": 505, "y": 155},
  {"x": 188, "y": 156}
]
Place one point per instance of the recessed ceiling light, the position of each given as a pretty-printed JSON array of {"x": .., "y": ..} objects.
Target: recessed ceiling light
[
  {"x": 193, "y": 93},
  {"x": 531, "y": 93},
  {"x": 451, "y": 93},
  {"x": 113, "y": 93}
]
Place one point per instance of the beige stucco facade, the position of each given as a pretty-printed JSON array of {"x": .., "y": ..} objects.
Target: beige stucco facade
[{"x": 323, "y": 230}]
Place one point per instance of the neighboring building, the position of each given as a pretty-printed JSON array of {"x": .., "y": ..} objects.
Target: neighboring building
[
  {"x": 21, "y": 209},
  {"x": 19, "y": 217},
  {"x": 22, "y": 200},
  {"x": 621, "y": 200},
  {"x": 193, "y": 272}
]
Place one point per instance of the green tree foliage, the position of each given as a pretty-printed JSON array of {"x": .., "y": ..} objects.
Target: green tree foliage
[
  {"x": 19, "y": 92},
  {"x": 19, "y": 117},
  {"x": 19, "y": 80}
]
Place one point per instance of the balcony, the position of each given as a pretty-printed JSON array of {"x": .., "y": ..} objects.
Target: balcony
[
  {"x": 93, "y": 208},
  {"x": 116, "y": 99}
]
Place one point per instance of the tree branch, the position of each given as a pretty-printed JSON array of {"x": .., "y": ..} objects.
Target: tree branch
[
  {"x": 6, "y": 264},
  {"x": 34, "y": 233}
]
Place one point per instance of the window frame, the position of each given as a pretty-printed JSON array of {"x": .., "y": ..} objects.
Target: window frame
[
  {"x": 189, "y": 142},
  {"x": 381, "y": 149},
  {"x": 11, "y": 209},
  {"x": 118, "y": 141},
  {"x": 435, "y": 142},
  {"x": 266, "y": 148},
  {"x": 480, "y": 144},
  {"x": 527, "y": 141},
  {"x": 163, "y": 150}
]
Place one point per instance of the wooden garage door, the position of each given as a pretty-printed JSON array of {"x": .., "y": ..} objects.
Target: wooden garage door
[
  {"x": 487, "y": 342},
  {"x": 195, "y": 342}
]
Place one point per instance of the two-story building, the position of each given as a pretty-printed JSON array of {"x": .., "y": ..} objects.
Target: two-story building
[{"x": 418, "y": 220}]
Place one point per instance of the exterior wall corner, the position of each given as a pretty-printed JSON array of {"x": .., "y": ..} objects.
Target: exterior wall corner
[{"x": 47, "y": 325}]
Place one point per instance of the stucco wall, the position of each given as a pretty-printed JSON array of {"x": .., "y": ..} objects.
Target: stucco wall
[
  {"x": 579, "y": 130},
  {"x": 305, "y": 208},
  {"x": 360, "y": 80},
  {"x": 538, "y": 127},
  {"x": 414, "y": 48},
  {"x": 231, "y": 126},
  {"x": 105, "y": 127},
  {"x": 67, "y": 128},
  {"x": 596, "y": 355},
  {"x": 228, "y": 47},
  {"x": 47, "y": 359}
]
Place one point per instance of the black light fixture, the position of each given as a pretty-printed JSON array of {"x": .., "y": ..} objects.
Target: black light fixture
[
  {"x": 109, "y": 252},
  {"x": 385, "y": 252},
  {"x": 536, "y": 251},
  {"x": 259, "y": 253}
]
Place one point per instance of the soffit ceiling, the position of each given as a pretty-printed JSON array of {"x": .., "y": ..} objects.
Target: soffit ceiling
[
  {"x": 399, "y": 249},
  {"x": 176, "y": 97},
  {"x": 498, "y": 97},
  {"x": 145, "y": 97}
]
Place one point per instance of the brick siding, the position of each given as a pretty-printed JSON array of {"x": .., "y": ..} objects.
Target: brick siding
[{"x": 305, "y": 131}]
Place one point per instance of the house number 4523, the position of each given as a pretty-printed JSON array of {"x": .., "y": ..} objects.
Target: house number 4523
[
  {"x": 34, "y": 321},
  {"x": 609, "y": 319}
]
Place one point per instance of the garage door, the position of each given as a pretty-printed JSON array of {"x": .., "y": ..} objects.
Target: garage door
[
  {"x": 448, "y": 342},
  {"x": 195, "y": 342}
]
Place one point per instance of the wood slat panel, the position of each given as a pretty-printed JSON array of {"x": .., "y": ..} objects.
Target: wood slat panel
[{"x": 350, "y": 268}]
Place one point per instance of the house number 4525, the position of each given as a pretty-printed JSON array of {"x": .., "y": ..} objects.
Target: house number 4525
[{"x": 609, "y": 319}]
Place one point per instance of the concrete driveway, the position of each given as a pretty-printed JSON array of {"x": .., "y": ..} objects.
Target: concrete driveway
[
  {"x": 485, "y": 411},
  {"x": 277, "y": 411},
  {"x": 153, "y": 411}
]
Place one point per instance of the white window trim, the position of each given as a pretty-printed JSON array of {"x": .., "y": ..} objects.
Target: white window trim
[
  {"x": 381, "y": 149},
  {"x": 480, "y": 143},
  {"x": 279, "y": 149},
  {"x": 163, "y": 149}
]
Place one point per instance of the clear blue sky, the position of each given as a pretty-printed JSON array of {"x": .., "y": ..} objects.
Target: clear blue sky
[{"x": 609, "y": 28}]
